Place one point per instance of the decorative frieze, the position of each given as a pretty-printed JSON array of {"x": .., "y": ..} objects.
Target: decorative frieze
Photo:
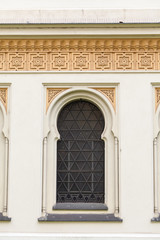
[
  {"x": 3, "y": 96},
  {"x": 79, "y": 54}
]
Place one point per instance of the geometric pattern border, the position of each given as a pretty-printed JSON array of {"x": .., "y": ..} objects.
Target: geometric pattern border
[{"x": 79, "y": 54}]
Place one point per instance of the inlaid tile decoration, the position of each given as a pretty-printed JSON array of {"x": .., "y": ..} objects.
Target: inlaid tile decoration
[{"x": 79, "y": 54}]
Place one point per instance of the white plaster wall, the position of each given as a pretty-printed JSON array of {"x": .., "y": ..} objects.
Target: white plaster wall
[
  {"x": 52, "y": 4},
  {"x": 136, "y": 138}
]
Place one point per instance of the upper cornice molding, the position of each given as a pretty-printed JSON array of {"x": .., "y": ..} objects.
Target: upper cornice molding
[
  {"x": 80, "y": 16},
  {"x": 79, "y": 45}
]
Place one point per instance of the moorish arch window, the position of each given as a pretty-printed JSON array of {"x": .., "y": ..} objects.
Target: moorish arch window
[
  {"x": 156, "y": 152},
  {"x": 80, "y": 154},
  {"x": 80, "y": 180},
  {"x": 4, "y": 151}
]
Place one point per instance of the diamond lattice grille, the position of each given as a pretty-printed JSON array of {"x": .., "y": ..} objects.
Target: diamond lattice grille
[{"x": 80, "y": 154}]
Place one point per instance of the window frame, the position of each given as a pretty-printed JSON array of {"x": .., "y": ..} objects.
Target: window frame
[
  {"x": 110, "y": 136},
  {"x": 4, "y": 106},
  {"x": 85, "y": 205},
  {"x": 156, "y": 152}
]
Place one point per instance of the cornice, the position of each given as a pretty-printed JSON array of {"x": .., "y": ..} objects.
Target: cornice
[
  {"x": 88, "y": 45},
  {"x": 80, "y": 16}
]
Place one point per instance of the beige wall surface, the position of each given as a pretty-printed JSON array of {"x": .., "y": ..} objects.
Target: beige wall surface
[
  {"x": 49, "y": 4},
  {"x": 135, "y": 107}
]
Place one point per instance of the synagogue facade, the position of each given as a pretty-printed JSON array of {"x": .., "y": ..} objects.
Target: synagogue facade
[{"x": 80, "y": 124}]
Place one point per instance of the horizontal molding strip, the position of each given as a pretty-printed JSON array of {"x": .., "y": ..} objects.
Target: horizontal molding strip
[
  {"x": 80, "y": 218},
  {"x": 74, "y": 236},
  {"x": 93, "y": 15},
  {"x": 80, "y": 55}
]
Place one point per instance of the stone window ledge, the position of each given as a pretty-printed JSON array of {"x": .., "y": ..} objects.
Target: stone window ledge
[
  {"x": 80, "y": 206},
  {"x": 4, "y": 218},
  {"x": 156, "y": 219},
  {"x": 79, "y": 218}
]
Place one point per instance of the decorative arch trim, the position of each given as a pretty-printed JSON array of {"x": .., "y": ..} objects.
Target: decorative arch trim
[
  {"x": 157, "y": 98},
  {"x": 156, "y": 154},
  {"x": 110, "y": 93},
  {"x": 4, "y": 108},
  {"x": 157, "y": 111},
  {"x": 4, "y": 96},
  {"x": 3, "y": 105},
  {"x": 102, "y": 98},
  {"x": 51, "y": 94}
]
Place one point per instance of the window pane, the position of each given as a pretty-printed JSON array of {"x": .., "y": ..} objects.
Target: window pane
[{"x": 80, "y": 153}]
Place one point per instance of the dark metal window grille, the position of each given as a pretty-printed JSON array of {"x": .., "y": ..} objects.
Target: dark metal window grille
[{"x": 80, "y": 154}]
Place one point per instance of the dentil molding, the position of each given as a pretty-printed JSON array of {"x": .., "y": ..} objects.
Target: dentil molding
[{"x": 79, "y": 54}]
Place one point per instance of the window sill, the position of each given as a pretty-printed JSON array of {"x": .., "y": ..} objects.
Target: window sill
[
  {"x": 4, "y": 218},
  {"x": 80, "y": 218},
  {"x": 155, "y": 219},
  {"x": 80, "y": 206}
]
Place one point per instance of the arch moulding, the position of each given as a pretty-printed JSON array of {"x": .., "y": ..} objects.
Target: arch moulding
[{"x": 104, "y": 98}]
